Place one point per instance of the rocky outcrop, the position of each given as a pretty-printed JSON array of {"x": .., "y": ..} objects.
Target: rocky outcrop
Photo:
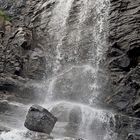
[
  {"x": 126, "y": 128},
  {"x": 124, "y": 66},
  {"x": 21, "y": 58},
  {"x": 123, "y": 56},
  {"x": 40, "y": 120},
  {"x": 20, "y": 55}
]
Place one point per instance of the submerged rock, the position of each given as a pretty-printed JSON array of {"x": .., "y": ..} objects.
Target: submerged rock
[
  {"x": 37, "y": 136},
  {"x": 40, "y": 120},
  {"x": 4, "y": 129}
]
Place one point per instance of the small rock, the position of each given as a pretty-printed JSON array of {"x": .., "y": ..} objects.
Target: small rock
[
  {"x": 4, "y": 129},
  {"x": 122, "y": 62},
  {"x": 38, "y": 136},
  {"x": 40, "y": 120},
  {"x": 133, "y": 137}
]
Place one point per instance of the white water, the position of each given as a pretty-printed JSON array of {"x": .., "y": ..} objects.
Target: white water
[
  {"x": 81, "y": 121},
  {"x": 77, "y": 34},
  {"x": 75, "y": 120}
]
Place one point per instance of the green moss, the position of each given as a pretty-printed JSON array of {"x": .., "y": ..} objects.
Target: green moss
[{"x": 3, "y": 14}]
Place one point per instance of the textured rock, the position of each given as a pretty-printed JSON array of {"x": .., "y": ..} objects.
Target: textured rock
[
  {"x": 40, "y": 120},
  {"x": 4, "y": 129},
  {"x": 20, "y": 55},
  {"x": 127, "y": 128},
  {"x": 37, "y": 136},
  {"x": 133, "y": 137},
  {"x": 123, "y": 55},
  {"x": 124, "y": 66},
  {"x": 42, "y": 136},
  {"x": 18, "y": 52}
]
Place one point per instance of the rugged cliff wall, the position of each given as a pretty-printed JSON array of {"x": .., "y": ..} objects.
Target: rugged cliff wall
[
  {"x": 20, "y": 54},
  {"x": 21, "y": 58},
  {"x": 123, "y": 55},
  {"x": 124, "y": 60}
]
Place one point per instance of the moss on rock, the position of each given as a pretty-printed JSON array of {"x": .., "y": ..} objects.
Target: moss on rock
[{"x": 4, "y": 15}]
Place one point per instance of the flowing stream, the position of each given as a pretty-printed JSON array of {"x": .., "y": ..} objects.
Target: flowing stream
[{"x": 74, "y": 36}]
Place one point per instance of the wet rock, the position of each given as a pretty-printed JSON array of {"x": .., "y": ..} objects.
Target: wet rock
[
  {"x": 37, "y": 136},
  {"x": 132, "y": 136},
  {"x": 4, "y": 129},
  {"x": 12, "y": 7},
  {"x": 4, "y": 106},
  {"x": 34, "y": 66},
  {"x": 43, "y": 136},
  {"x": 18, "y": 41},
  {"x": 126, "y": 92},
  {"x": 123, "y": 56},
  {"x": 75, "y": 116},
  {"x": 122, "y": 62},
  {"x": 24, "y": 38},
  {"x": 126, "y": 127},
  {"x": 40, "y": 120},
  {"x": 21, "y": 58}
]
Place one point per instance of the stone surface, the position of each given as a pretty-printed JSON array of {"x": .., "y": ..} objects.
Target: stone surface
[
  {"x": 42, "y": 136},
  {"x": 19, "y": 54},
  {"x": 127, "y": 127},
  {"x": 4, "y": 129},
  {"x": 40, "y": 120},
  {"x": 123, "y": 56},
  {"x": 123, "y": 64}
]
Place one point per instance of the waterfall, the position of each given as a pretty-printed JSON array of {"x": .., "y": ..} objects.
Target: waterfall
[
  {"x": 77, "y": 31},
  {"x": 75, "y": 43},
  {"x": 74, "y": 40}
]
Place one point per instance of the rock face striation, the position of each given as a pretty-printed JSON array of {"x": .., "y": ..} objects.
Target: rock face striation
[
  {"x": 124, "y": 60},
  {"x": 20, "y": 54},
  {"x": 21, "y": 58},
  {"x": 123, "y": 55}
]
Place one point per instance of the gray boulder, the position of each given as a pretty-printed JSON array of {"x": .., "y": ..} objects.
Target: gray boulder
[{"x": 40, "y": 120}]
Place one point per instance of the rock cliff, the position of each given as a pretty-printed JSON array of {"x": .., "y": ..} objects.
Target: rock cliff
[
  {"x": 27, "y": 28},
  {"x": 21, "y": 58},
  {"x": 123, "y": 57}
]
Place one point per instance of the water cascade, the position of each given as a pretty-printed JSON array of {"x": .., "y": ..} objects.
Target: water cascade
[{"x": 74, "y": 35}]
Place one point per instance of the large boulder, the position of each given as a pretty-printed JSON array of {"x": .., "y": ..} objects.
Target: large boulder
[{"x": 40, "y": 120}]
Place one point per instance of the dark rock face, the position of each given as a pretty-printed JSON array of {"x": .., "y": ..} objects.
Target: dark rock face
[
  {"x": 123, "y": 56},
  {"x": 19, "y": 53},
  {"x": 124, "y": 66},
  {"x": 40, "y": 120},
  {"x": 127, "y": 128}
]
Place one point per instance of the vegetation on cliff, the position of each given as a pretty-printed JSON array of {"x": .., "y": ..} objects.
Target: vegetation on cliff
[{"x": 4, "y": 15}]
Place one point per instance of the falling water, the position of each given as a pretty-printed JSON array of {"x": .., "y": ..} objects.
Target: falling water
[
  {"x": 78, "y": 29},
  {"x": 75, "y": 43}
]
